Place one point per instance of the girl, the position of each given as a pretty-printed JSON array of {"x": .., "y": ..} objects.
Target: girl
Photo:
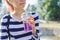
[{"x": 12, "y": 25}]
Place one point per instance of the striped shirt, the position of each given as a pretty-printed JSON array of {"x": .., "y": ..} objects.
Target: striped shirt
[{"x": 16, "y": 28}]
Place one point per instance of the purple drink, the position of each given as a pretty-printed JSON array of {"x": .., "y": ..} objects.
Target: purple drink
[{"x": 27, "y": 26}]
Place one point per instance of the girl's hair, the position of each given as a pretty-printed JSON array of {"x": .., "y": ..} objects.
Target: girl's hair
[{"x": 10, "y": 6}]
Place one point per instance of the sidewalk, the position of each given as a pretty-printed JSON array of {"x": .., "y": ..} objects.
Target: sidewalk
[
  {"x": 49, "y": 38},
  {"x": 50, "y": 31}
]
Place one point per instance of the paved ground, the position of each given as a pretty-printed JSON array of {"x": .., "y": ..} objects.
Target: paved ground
[
  {"x": 49, "y": 38},
  {"x": 49, "y": 34},
  {"x": 52, "y": 29}
]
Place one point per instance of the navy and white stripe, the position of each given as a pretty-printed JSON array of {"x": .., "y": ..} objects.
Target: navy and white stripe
[{"x": 16, "y": 28}]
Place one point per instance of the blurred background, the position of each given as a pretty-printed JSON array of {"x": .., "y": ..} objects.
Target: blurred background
[{"x": 49, "y": 12}]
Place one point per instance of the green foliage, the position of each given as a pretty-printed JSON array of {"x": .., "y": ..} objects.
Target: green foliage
[
  {"x": 31, "y": 8},
  {"x": 49, "y": 9},
  {"x": 0, "y": 1},
  {"x": 55, "y": 10}
]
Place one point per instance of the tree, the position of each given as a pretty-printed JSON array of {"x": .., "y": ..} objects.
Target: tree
[
  {"x": 0, "y": 1},
  {"x": 49, "y": 9},
  {"x": 40, "y": 9},
  {"x": 55, "y": 10},
  {"x": 31, "y": 8}
]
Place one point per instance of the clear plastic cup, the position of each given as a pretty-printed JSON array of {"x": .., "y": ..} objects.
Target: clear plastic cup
[{"x": 27, "y": 23}]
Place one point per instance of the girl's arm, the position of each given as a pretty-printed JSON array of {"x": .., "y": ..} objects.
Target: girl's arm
[
  {"x": 36, "y": 19},
  {"x": 3, "y": 29}
]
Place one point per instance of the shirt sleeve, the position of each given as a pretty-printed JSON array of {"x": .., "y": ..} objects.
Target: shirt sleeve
[
  {"x": 3, "y": 29},
  {"x": 36, "y": 19}
]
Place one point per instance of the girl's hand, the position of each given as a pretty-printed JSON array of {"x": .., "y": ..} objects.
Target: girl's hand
[{"x": 31, "y": 21}]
